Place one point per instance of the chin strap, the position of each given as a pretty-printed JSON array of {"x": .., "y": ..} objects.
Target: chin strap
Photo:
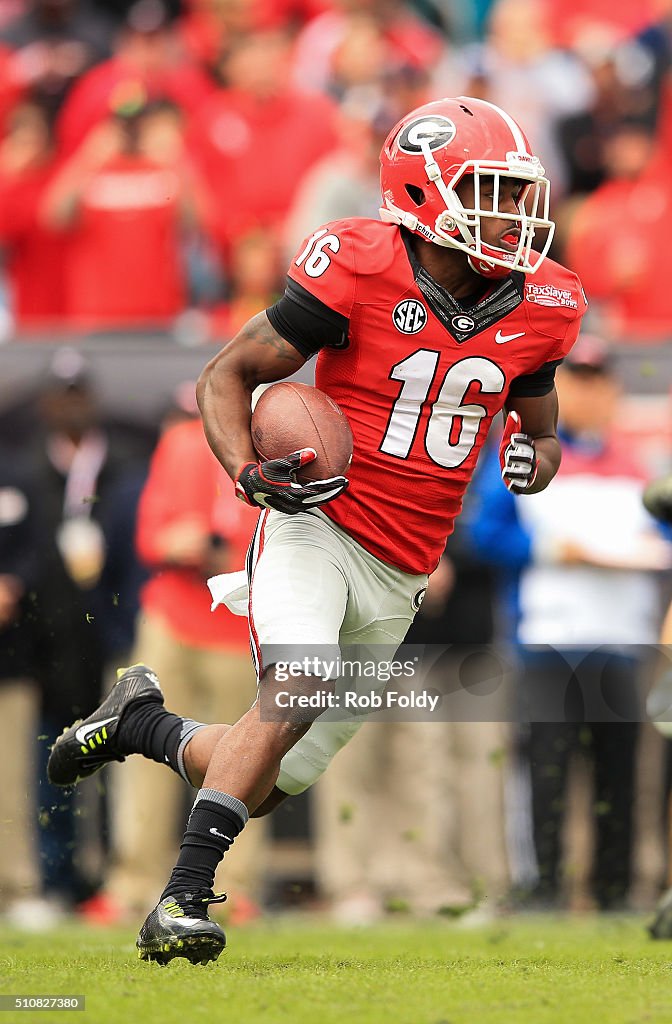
[{"x": 395, "y": 216}]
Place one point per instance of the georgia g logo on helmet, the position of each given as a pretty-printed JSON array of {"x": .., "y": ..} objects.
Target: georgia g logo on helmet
[{"x": 438, "y": 131}]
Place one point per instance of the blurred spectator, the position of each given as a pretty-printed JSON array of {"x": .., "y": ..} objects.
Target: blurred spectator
[
  {"x": 124, "y": 575},
  {"x": 19, "y": 696},
  {"x": 47, "y": 47},
  {"x": 518, "y": 69},
  {"x": 10, "y": 10},
  {"x": 256, "y": 281},
  {"x": 33, "y": 252},
  {"x": 120, "y": 8},
  {"x": 616, "y": 239},
  {"x": 346, "y": 182},
  {"x": 656, "y": 42},
  {"x": 458, "y": 21},
  {"x": 208, "y": 26},
  {"x": 256, "y": 138},
  {"x": 573, "y": 21},
  {"x": 397, "y": 825},
  {"x": 623, "y": 92},
  {"x": 190, "y": 526},
  {"x": 355, "y": 42},
  {"x": 121, "y": 202},
  {"x": 589, "y": 602},
  {"x": 148, "y": 64},
  {"x": 75, "y": 471}
]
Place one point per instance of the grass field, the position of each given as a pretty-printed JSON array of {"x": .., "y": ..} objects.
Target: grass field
[{"x": 520, "y": 971}]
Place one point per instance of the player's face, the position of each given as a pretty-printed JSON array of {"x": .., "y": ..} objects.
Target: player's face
[{"x": 498, "y": 232}]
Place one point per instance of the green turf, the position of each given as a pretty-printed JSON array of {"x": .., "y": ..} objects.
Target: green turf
[{"x": 517, "y": 971}]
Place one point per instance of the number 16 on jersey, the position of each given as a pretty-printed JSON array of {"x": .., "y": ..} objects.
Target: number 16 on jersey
[{"x": 452, "y": 428}]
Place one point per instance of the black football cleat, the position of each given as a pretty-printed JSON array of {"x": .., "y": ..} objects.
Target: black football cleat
[
  {"x": 89, "y": 744},
  {"x": 180, "y": 926}
]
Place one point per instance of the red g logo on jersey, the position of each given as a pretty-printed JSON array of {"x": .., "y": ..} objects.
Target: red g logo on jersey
[{"x": 409, "y": 316}]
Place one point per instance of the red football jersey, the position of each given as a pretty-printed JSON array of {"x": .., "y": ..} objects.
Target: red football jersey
[
  {"x": 123, "y": 267},
  {"x": 422, "y": 377}
]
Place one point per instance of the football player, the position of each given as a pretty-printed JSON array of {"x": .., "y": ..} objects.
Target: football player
[{"x": 426, "y": 323}]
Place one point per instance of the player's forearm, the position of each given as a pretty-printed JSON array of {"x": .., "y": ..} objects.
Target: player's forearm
[
  {"x": 257, "y": 355},
  {"x": 548, "y": 462},
  {"x": 224, "y": 399}
]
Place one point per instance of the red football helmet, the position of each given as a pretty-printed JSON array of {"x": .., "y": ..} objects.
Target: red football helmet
[{"x": 430, "y": 151}]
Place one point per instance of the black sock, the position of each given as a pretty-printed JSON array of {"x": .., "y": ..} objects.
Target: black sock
[
  {"x": 147, "y": 728},
  {"x": 215, "y": 821}
]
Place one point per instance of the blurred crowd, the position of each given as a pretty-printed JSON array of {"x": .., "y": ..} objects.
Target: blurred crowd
[
  {"x": 160, "y": 160},
  {"x": 159, "y": 164}
]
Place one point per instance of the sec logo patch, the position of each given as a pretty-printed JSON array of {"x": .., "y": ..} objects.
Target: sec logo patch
[{"x": 409, "y": 316}]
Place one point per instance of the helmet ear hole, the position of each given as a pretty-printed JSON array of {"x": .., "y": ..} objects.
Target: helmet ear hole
[{"x": 415, "y": 194}]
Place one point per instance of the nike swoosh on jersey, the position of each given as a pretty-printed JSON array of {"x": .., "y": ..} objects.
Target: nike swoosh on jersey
[
  {"x": 501, "y": 339},
  {"x": 82, "y": 734}
]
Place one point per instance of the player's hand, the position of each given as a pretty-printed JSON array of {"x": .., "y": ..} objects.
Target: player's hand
[
  {"x": 273, "y": 484},
  {"x": 517, "y": 456}
]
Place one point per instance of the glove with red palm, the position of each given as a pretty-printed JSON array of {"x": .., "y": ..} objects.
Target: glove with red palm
[{"x": 517, "y": 456}]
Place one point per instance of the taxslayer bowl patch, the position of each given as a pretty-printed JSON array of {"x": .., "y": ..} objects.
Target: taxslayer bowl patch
[{"x": 549, "y": 295}]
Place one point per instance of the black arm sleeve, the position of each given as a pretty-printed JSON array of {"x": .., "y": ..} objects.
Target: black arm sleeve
[
  {"x": 306, "y": 323},
  {"x": 534, "y": 385}
]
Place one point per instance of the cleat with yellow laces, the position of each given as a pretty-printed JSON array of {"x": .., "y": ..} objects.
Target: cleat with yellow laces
[
  {"x": 180, "y": 926},
  {"x": 87, "y": 745}
]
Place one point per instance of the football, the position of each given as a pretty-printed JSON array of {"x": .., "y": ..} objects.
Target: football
[{"x": 289, "y": 416}]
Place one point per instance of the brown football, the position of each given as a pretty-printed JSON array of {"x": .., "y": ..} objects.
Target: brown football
[{"x": 289, "y": 416}]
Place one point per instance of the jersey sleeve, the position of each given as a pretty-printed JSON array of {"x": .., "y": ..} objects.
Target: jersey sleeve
[
  {"x": 574, "y": 325},
  {"x": 325, "y": 267},
  {"x": 555, "y": 303},
  {"x": 306, "y": 322},
  {"x": 315, "y": 310},
  {"x": 535, "y": 385}
]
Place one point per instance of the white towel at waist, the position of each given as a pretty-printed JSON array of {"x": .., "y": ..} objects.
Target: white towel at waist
[{"x": 231, "y": 589}]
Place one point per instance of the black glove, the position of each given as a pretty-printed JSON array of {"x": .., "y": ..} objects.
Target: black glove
[
  {"x": 657, "y": 499},
  {"x": 273, "y": 484}
]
